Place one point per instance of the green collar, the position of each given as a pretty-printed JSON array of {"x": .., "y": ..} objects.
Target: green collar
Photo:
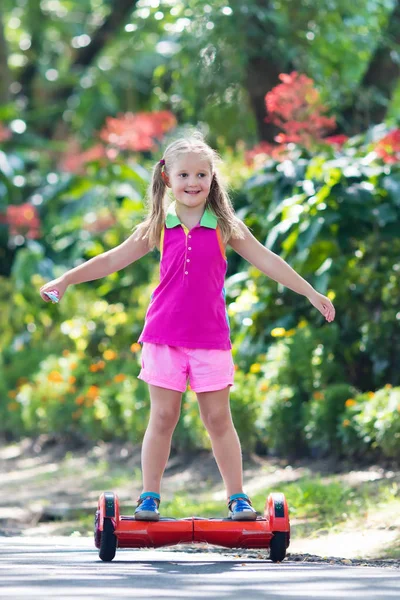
[{"x": 207, "y": 220}]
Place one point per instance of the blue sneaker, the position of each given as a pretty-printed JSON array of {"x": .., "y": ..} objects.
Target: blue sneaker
[
  {"x": 146, "y": 510},
  {"x": 240, "y": 508}
]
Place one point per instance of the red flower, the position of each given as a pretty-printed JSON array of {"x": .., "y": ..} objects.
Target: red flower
[
  {"x": 259, "y": 153},
  {"x": 5, "y": 133},
  {"x": 22, "y": 219},
  {"x": 137, "y": 132},
  {"x": 74, "y": 160},
  {"x": 337, "y": 140},
  {"x": 295, "y": 106},
  {"x": 388, "y": 148}
]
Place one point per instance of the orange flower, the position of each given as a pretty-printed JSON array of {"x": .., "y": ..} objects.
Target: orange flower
[
  {"x": 73, "y": 366},
  {"x": 55, "y": 376},
  {"x": 65, "y": 352},
  {"x": 93, "y": 391},
  {"x": 236, "y": 367},
  {"x": 79, "y": 400},
  {"x": 371, "y": 394},
  {"x": 350, "y": 402},
  {"x": 110, "y": 354},
  {"x": 264, "y": 386},
  {"x": 346, "y": 423},
  {"x": 12, "y": 394},
  {"x": 120, "y": 377},
  {"x": 388, "y": 386},
  {"x": 97, "y": 366},
  {"x": 71, "y": 379},
  {"x": 318, "y": 396},
  {"x": 135, "y": 347}
]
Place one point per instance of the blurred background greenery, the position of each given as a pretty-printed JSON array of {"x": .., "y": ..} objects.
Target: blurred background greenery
[{"x": 302, "y": 100}]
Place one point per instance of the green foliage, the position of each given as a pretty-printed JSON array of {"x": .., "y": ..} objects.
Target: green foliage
[
  {"x": 190, "y": 433},
  {"x": 321, "y": 419},
  {"x": 371, "y": 422},
  {"x": 294, "y": 368},
  {"x": 335, "y": 218}
]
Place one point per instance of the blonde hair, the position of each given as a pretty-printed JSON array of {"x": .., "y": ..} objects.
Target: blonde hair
[{"x": 218, "y": 200}]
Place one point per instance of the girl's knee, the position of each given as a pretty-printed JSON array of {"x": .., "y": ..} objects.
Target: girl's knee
[
  {"x": 164, "y": 419},
  {"x": 217, "y": 422}
]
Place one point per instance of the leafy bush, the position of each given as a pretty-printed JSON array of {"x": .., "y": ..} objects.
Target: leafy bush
[
  {"x": 371, "y": 423},
  {"x": 295, "y": 368},
  {"x": 321, "y": 419},
  {"x": 334, "y": 216}
]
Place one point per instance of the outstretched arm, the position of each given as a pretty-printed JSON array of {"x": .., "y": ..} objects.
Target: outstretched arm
[
  {"x": 100, "y": 266},
  {"x": 277, "y": 269}
]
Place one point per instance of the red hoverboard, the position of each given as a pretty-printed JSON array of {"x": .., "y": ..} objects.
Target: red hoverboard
[{"x": 112, "y": 530}]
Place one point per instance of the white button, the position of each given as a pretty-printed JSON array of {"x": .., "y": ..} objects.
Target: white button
[
  {"x": 188, "y": 260},
  {"x": 190, "y": 236},
  {"x": 186, "y": 273},
  {"x": 189, "y": 248}
]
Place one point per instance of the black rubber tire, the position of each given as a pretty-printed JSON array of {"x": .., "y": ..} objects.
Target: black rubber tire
[
  {"x": 97, "y": 532},
  {"x": 108, "y": 542},
  {"x": 278, "y": 547}
]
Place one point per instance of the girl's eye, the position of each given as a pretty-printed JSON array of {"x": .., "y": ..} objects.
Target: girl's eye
[{"x": 185, "y": 174}]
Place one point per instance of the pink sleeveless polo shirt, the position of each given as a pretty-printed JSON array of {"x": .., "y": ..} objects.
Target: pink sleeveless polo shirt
[{"x": 188, "y": 306}]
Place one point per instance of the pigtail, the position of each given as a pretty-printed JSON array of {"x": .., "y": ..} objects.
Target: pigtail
[
  {"x": 151, "y": 228},
  {"x": 219, "y": 202}
]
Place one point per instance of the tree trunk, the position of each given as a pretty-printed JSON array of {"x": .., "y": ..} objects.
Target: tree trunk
[
  {"x": 263, "y": 66},
  {"x": 262, "y": 76},
  {"x": 378, "y": 84}
]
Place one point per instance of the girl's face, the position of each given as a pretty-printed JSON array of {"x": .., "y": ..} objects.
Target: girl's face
[{"x": 190, "y": 179}]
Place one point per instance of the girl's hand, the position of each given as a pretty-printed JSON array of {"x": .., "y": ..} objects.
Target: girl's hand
[
  {"x": 57, "y": 284},
  {"x": 323, "y": 304}
]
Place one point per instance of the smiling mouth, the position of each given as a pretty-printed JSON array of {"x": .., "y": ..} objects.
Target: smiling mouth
[{"x": 193, "y": 193}]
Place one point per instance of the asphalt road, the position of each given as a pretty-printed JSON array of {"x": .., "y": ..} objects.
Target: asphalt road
[{"x": 69, "y": 568}]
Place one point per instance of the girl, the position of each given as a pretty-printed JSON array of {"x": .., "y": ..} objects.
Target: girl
[{"x": 186, "y": 332}]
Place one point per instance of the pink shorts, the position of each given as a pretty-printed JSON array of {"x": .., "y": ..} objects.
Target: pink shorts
[{"x": 171, "y": 366}]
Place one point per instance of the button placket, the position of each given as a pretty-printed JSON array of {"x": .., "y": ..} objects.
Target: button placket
[{"x": 186, "y": 260}]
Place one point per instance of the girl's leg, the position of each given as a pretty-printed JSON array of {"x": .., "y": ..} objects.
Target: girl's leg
[
  {"x": 165, "y": 407},
  {"x": 216, "y": 415}
]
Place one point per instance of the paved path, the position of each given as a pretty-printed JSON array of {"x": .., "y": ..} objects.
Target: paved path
[{"x": 69, "y": 568}]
